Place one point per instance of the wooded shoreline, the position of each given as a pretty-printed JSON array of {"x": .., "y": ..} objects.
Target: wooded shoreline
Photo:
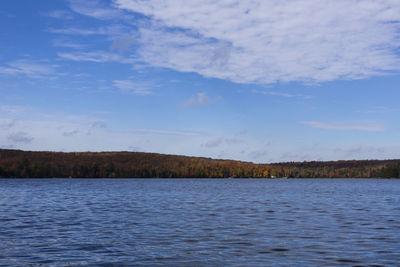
[{"x": 44, "y": 164}]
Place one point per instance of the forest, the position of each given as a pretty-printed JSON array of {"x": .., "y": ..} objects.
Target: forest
[{"x": 45, "y": 164}]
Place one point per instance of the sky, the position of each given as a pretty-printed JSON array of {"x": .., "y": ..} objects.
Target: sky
[{"x": 260, "y": 81}]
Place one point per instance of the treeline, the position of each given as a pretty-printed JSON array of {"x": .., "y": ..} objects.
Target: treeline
[
  {"x": 339, "y": 169},
  {"x": 30, "y": 164}
]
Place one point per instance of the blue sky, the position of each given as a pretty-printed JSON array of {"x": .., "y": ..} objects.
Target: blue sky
[{"x": 261, "y": 81}]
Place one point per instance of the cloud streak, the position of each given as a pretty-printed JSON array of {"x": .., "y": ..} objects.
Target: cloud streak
[
  {"x": 369, "y": 127},
  {"x": 113, "y": 31},
  {"x": 67, "y": 44},
  {"x": 29, "y": 68},
  {"x": 165, "y": 132},
  {"x": 288, "y": 95},
  {"x": 95, "y": 56}
]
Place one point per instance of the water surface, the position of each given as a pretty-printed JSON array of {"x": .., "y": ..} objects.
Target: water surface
[{"x": 187, "y": 222}]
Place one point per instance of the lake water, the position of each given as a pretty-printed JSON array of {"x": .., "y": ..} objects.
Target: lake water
[{"x": 199, "y": 222}]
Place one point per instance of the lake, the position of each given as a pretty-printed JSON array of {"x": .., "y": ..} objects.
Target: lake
[{"x": 199, "y": 222}]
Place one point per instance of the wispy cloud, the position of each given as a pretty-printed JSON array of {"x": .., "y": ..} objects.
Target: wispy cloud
[
  {"x": 219, "y": 141},
  {"x": 66, "y": 43},
  {"x": 358, "y": 149},
  {"x": 20, "y": 137},
  {"x": 96, "y": 9},
  {"x": 71, "y": 133},
  {"x": 6, "y": 123},
  {"x": 60, "y": 14},
  {"x": 95, "y": 56},
  {"x": 377, "y": 110},
  {"x": 28, "y": 128},
  {"x": 274, "y": 93},
  {"x": 113, "y": 31},
  {"x": 132, "y": 87},
  {"x": 29, "y": 68},
  {"x": 123, "y": 44},
  {"x": 165, "y": 132},
  {"x": 214, "y": 142},
  {"x": 99, "y": 124},
  {"x": 270, "y": 41},
  {"x": 76, "y": 31},
  {"x": 201, "y": 99},
  {"x": 12, "y": 109},
  {"x": 370, "y": 127}
]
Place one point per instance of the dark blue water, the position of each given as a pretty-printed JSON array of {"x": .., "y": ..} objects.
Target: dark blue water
[{"x": 199, "y": 222}]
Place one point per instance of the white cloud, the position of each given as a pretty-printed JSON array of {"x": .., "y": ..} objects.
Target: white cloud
[
  {"x": 136, "y": 88},
  {"x": 30, "y": 68},
  {"x": 370, "y": 127},
  {"x": 269, "y": 41},
  {"x": 201, "y": 99}
]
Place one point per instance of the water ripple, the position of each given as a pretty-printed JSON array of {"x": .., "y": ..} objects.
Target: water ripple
[{"x": 197, "y": 222}]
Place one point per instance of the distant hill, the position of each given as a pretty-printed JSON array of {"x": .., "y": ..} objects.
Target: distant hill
[{"x": 33, "y": 164}]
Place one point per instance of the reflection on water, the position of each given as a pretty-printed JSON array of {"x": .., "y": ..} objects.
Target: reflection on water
[{"x": 73, "y": 222}]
